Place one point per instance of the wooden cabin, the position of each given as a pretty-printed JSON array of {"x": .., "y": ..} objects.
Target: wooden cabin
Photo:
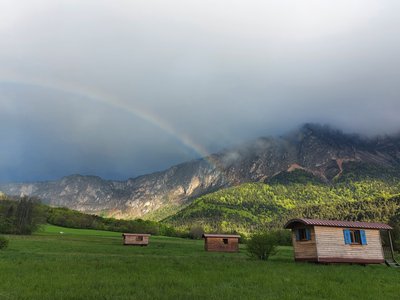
[
  {"x": 139, "y": 239},
  {"x": 221, "y": 242},
  {"x": 327, "y": 241}
]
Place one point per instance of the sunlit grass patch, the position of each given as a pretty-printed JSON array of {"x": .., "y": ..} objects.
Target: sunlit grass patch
[{"x": 87, "y": 264}]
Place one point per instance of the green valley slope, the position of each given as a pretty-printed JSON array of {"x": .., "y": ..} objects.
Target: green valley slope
[{"x": 363, "y": 193}]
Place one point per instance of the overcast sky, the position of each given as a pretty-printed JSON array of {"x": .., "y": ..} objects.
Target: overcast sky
[{"x": 123, "y": 88}]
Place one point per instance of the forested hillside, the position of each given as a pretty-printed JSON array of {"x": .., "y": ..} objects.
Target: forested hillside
[
  {"x": 361, "y": 195},
  {"x": 26, "y": 215}
]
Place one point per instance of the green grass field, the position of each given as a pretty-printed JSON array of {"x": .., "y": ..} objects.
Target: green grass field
[{"x": 89, "y": 264}]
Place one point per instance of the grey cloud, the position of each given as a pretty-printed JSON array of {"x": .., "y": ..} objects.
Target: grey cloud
[{"x": 219, "y": 72}]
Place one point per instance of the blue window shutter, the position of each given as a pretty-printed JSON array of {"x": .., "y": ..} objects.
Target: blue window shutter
[
  {"x": 308, "y": 234},
  {"x": 347, "y": 238},
  {"x": 363, "y": 237},
  {"x": 297, "y": 235}
]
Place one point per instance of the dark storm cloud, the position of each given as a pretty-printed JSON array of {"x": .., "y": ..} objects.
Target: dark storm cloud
[
  {"x": 46, "y": 134},
  {"x": 217, "y": 72}
]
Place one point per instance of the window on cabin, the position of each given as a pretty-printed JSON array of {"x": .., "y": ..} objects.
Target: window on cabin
[
  {"x": 303, "y": 234},
  {"x": 139, "y": 238},
  {"x": 354, "y": 237},
  {"x": 225, "y": 241}
]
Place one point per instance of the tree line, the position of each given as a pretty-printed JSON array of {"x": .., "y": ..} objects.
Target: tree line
[
  {"x": 25, "y": 215},
  {"x": 20, "y": 217}
]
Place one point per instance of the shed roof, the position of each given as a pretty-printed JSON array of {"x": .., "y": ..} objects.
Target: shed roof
[
  {"x": 217, "y": 235},
  {"x": 136, "y": 234},
  {"x": 335, "y": 223}
]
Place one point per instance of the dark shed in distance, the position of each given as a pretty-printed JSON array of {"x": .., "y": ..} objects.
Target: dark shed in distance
[
  {"x": 221, "y": 242},
  {"x": 328, "y": 241},
  {"x": 140, "y": 239}
]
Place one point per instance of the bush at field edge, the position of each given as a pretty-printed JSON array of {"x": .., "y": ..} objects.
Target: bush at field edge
[{"x": 3, "y": 242}]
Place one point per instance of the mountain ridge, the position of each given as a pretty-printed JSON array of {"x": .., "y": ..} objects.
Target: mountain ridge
[{"x": 319, "y": 150}]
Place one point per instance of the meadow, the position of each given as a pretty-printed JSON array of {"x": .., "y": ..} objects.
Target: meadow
[{"x": 90, "y": 264}]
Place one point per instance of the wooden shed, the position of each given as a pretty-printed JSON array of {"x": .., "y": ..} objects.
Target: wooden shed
[
  {"x": 139, "y": 239},
  {"x": 221, "y": 242},
  {"x": 328, "y": 241}
]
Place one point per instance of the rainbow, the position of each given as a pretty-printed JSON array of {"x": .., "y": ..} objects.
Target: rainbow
[{"x": 110, "y": 100}]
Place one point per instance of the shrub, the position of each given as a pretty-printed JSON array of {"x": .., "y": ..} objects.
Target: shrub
[
  {"x": 196, "y": 232},
  {"x": 262, "y": 245},
  {"x": 3, "y": 242},
  {"x": 283, "y": 237}
]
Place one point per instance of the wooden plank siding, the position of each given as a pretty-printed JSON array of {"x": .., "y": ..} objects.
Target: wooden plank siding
[
  {"x": 217, "y": 244},
  {"x": 135, "y": 239},
  {"x": 332, "y": 248},
  {"x": 305, "y": 250}
]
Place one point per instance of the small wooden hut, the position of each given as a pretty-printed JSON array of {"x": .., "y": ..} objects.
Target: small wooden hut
[
  {"x": 139, "y": 239},
  {"x": 221, "y": 242},
  {"x": 327, "y": 241}
]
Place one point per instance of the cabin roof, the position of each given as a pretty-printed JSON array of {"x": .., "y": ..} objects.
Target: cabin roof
[
  {"x": 335, "y": 223},
  {"x": 136, "y": 234},
  {"x": 217, "y": 235}
]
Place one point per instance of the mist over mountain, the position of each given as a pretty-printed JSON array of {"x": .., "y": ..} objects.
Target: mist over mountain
[{"x": 320, "y": 151}]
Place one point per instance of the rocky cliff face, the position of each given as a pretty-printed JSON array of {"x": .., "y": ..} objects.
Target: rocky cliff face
[
  {"x": 318, "y": 150},
  {"x": 125, "y": 199}
]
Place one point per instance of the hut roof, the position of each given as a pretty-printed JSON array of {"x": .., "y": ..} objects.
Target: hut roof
[
  {"x": 217, "y": 235},
  {"x": 136, "y": 234},
  {"x": 335, "y": 223}
]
